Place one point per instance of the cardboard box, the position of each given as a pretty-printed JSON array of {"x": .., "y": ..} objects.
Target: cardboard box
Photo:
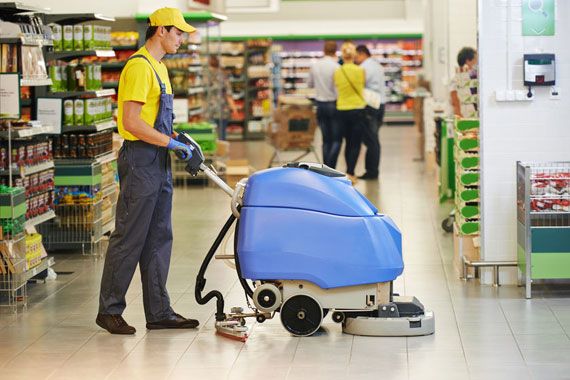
[
  {"x": 236, "y": 170},
  {"x": 465, "y": 246},
  {"x": 222, "y": 148},
  {"x": 294, "y": 127}
]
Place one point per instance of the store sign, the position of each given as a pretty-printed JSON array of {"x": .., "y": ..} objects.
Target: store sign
[
  {"x": 538, "y": 17},
  {"x": 50, "y": 113},
  {"x": 180, "y": 109},
  {"x": 9, "y": 96}
]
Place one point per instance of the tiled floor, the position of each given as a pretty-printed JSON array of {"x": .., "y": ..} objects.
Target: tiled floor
[{"x": 481, "y": 332}]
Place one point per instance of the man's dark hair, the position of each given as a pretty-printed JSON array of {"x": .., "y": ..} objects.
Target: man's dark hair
[
  {"x": 151, "y": 30},
  {"x": 464, "y": 55},
  {"x": 362, "y": 49},
  {"x": 330, "y": 47}
]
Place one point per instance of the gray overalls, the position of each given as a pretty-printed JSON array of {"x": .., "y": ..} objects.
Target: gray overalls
[{"x": 143, "y": 228}]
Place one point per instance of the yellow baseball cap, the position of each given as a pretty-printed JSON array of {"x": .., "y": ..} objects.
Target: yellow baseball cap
[{"x": 170, "y": 16}]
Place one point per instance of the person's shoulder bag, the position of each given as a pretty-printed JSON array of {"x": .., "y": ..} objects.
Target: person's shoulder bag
[{"x": 371, "y": 98}]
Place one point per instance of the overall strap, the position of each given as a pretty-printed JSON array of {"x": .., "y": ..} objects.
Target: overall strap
[{"x": 162, "y": 85}]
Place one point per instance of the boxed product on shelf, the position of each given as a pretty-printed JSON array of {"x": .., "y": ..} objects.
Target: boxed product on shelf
[
  {"x": 34, "y": 250},
  {"x": 75, "y": 77},
  {"x": 33, "y": 63},
  {"x": 80, "y": 37},
  {"x": 12, "y": 211},
  {"x": 8, "y": 58}
]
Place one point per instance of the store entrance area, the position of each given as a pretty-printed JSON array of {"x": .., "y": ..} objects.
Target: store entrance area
[{"x": 482, "y": 332}]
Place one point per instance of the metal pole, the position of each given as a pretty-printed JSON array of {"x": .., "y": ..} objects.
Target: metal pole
[{"x": 9, "y": 153}]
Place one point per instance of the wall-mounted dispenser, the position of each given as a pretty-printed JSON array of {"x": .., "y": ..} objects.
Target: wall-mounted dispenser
[{"x": 539, "y": 70}]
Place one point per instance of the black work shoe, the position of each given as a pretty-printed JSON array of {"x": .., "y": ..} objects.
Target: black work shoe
[
  {"x": 368, "y": 176},
  {"x": 115, "y": 324},
  {"x": 175, "y": 322}
]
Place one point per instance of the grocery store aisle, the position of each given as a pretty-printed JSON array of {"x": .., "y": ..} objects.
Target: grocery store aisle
[{"x": 481, "y": 332}]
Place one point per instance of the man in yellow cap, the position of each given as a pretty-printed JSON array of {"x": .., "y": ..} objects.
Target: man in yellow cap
[{"x": 143, "y": 233}]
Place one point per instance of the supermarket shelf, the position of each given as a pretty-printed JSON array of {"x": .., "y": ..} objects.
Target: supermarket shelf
[
  {"x": 63, "y": 55},
  {"x": 234, "y": 136},
  {"x": 20, "y": 279},
  {"x": 236, "y": 121},
  {"x": 28, "y": 170},
  {"x": 126, "y": 47},
  {"x": 28, "y": 132},
  {"x": 27, "y": 41},
  {"x": 83, "y": 94},
  {"x": 197, "y": 111},
  {"x": 195, "y": 108},
  {"x": 195, "y": 69},
  {"x": 113, "y": 65},
  {"x": 35, "y": 82},
  {"x": 17, "y": 7},
  {"x": 195, "y": 90},
  {"x": 75, "y": 18},
  {"x": 40, "y": 219},
  {"x": 110, "y": 84},
  {"x": 90, "y": 128},
  {"x": 109, "y": 227},
  {"x": 102, "y": 159}
]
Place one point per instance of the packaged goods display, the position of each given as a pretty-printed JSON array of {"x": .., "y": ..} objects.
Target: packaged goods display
[
  {"x": 78, "y": 145},
  {"x": 8, "y": 58},
  {"x": 34, "y": 250},
  {"x": 466, "y": 154},
  {"x": 80, "y": 37},
  {"x": 124, "y": 38},
  {"x": 33, "y": 64},
  {"x": 543, "y": 221},
  {"x": 12, "y": 211},
  {"x": 25, "y": 153},
  {"x": 75, "y": 77}
]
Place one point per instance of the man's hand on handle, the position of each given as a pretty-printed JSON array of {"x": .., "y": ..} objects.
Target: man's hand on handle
[{"x": 181, "y": 150}]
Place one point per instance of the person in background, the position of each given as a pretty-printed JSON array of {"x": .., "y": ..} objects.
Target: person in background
[
  {"x": 220, "y": 111},
  {"x": 349, "y": 80},
  {"x": 321, "y": 79},
  {"x": 375, "y": 81},
  {"x": 464, "y": 105}
]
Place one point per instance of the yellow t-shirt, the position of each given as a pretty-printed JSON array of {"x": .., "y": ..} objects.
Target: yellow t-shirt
[
  {"x": 138, "y": 83},
  {"x": 347, "y": 98}
]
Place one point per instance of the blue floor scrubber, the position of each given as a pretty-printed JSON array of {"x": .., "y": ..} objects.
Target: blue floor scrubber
[{"x": 311, "y": 244}]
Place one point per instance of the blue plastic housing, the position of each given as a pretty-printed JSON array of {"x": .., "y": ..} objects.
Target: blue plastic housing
[{"x": 299, "y": 225}]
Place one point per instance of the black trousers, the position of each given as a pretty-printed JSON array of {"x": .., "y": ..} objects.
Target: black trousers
[
  {"x": 353, "y": 123},
  {"x": 332, "y": 135},
  {"x": 371, "y": 140}
]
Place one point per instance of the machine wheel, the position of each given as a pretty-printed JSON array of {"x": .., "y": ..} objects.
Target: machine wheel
[
  {"x": 301, "y": 315},
  {"x": 447, "y": 224},
  {"x": 267, "y": 298},
  {"x": 338, "y": 317},
  {"x": 260, "y": 318}
]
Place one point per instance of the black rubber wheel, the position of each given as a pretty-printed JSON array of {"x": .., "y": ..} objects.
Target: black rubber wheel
[
  {"x": 266, "y": 298},
  {"x": 338, "y": 317},
  {"x": 301, "y": 315},
  {"x": 447, "y": 224},
  {"x": 260, "y": 318}
]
